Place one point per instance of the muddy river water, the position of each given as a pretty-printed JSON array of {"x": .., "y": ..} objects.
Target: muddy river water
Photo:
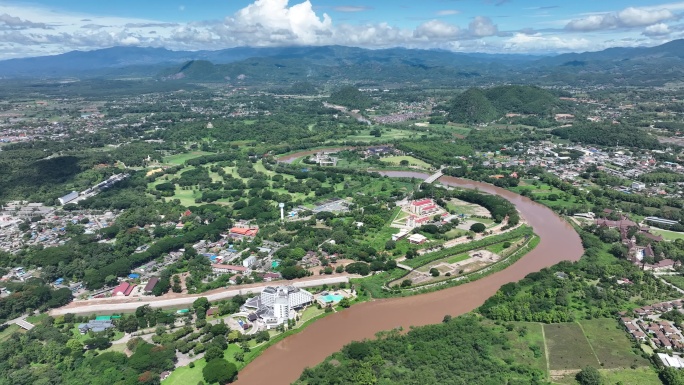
[{"x": 284, "y": 362}]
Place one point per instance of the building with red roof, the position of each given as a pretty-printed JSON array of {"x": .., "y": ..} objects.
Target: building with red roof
[
  {"x": 239, "y": 232},
  {"x": 225, "y": 269},
  {"x": 124, "y": 288}
]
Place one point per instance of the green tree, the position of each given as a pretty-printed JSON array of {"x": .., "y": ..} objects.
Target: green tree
[
  {"x": 589, "y": 376},
  {"x": 478, "y": 227},
  {"x": 219, "y": 371}
]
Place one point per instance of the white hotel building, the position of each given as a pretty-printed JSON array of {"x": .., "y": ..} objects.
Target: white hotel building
[{"x": 276, "y": 305}]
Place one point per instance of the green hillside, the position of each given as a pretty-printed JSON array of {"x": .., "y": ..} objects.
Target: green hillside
[
  {"x": 481, "y": 106},
  {"x": 472, "y": 107},
  {"x": 351, "y": 97}
]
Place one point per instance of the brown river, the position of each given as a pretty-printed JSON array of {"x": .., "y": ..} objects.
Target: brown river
[{"x": 284, "y": 362}]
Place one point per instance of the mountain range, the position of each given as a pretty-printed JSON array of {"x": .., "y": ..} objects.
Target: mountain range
[{"x": 632, "y": 66}]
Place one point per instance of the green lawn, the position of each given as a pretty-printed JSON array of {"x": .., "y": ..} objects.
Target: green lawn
[
  {"x": 186, "y": 375},
  {"x": 181, "y": 158},
  {"x": 667, "y": 234},
  {"x": 396, "y": 160},
  {"x": 611, "y": 344}
]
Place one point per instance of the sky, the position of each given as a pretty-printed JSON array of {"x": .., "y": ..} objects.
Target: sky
[{"x": 48, "y": 27}]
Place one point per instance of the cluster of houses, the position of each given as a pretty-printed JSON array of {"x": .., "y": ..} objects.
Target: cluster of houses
[
  {"x": 637, "y": 253},
  {"x": 662, "y": 333}
]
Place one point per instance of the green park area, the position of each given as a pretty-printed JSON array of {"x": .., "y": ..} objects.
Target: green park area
[
  {"x": 179, "y": 159},
  {"x": 409, "y": 160},
  {"x": 387, "y": 134}
]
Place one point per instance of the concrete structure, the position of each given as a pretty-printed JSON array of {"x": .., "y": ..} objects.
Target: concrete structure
[
  {"x": 417, "y": 239},
  {"x": 400, "y": 235},
  {"x": 70, "y": 197},
  {"x": 249, "y": 261},
  {"x": 671, "y": 362}
]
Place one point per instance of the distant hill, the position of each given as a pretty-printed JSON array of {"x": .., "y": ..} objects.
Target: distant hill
[
  {"x": 283, "y": 66},
  {"x": 482, "y": 106}
]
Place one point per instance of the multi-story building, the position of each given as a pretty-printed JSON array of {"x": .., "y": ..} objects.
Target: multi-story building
[{"x": 276, "y": 305}]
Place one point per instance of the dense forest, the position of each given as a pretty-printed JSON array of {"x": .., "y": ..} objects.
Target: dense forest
[{"x": 435, "y": 354}]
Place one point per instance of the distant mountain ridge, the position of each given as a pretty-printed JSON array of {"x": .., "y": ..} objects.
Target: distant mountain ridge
[{"x": 283, "y": 65}]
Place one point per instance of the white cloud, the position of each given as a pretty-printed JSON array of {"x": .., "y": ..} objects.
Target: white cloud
[
  {"x": 272, "y": 21},
  {"x": 27, "y": 30},
  {"x": 448, "y": 12},
  {"x": 436, "y": 29},
  {"x": 627, "y": 18},
  {"x": 12, "y": 22},
  {"x": 660, "y": 29},
  {"x": 482, "y": 26},
  {"x": 521, "y": 42}
]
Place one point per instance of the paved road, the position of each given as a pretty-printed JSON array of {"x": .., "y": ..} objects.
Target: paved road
[{"x": 88, "y": 307}]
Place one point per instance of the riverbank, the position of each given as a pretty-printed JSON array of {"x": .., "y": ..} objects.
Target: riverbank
[{"x": 284, "y": 362}]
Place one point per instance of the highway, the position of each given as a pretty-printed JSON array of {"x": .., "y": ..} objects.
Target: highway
[{"x": 113, "y": 305}]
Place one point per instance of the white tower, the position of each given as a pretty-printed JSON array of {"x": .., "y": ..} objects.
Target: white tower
[{"x": 282, "y": 211}]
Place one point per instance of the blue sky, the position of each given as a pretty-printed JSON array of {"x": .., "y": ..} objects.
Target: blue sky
[{"x": 42, "y": 27}]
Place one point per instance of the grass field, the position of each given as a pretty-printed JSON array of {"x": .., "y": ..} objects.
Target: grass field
[
  {"x": 676, "y": 280},
  {"x": 667, "y": 234},
  {"x": 611, "y": 344},
  {"x": 387, "y": 134},
  {"x": 5, "y": 334},
  {"x": 396, "y": 160},
  {"x": 568, "y": 347},
  {"x": 638, "y": 376},
  {"x": 527, "y": 348},
  {"x": 181, "y": 158}
]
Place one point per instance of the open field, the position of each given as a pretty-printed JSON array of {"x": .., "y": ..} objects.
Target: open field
[
  {"x": 667, "y": 234},
  {"x": 638, "y": 376},
  {"x": 181, "y": 158},
  {"x": 568, "y": 347},
  {"x": 387, "y": 134},
  {"x": 396, "y": 160},
  {"x": 611, "y": 344}
]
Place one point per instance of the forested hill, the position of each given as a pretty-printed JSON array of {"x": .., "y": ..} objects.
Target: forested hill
[
  {"x": 350, "y": 97},
  {"x": 482, "y": 106}
]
